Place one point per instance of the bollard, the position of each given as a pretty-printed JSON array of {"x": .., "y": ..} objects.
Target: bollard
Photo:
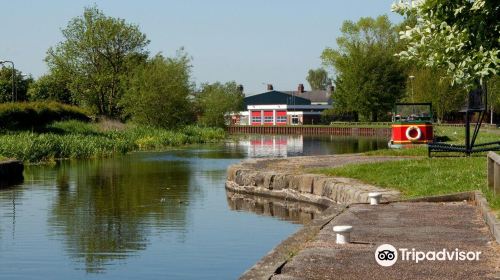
[
  {"x": 343, "y": 234},
  {"x": 374, "y": 198}
]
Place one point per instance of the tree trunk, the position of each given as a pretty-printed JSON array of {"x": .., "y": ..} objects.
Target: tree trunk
[{"x": 374, "y": 116}]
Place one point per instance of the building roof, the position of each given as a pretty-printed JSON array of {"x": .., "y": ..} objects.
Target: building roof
[
  {"x": 275, "y": 97},
  {"x": 315, "y": 96}
]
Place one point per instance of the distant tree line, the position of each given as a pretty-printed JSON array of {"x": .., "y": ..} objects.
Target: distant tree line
[{"x": 103, "y": 65}]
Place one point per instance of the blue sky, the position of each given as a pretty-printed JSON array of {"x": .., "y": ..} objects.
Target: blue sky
[{"x": 252, "y": 42}]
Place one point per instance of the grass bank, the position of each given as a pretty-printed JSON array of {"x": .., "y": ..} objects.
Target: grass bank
[
  {"x": 74, "y": 139},
  {"x": 424, "y": 176}
]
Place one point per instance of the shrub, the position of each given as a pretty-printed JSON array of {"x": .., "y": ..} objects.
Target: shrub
[{"x": 34, "y": 115}]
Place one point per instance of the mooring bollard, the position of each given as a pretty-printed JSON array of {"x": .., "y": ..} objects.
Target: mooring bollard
[
  {"x": 374, "y": 198},
  {"x": 343, "y": 234}
]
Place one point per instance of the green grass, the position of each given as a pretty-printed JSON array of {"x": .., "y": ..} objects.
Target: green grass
[
  {"x": 74, "y": 139},
  {"x": 424, "y": 176}
]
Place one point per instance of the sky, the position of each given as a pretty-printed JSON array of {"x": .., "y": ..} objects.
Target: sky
[{"x": 254, "y": 42}]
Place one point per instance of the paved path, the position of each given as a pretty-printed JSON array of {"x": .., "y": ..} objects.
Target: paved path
[
  {"x": 301, "y": 164},
  {"x": 421, "y": 225}
]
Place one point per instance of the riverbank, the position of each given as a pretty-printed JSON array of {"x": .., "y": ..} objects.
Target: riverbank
[
  {"x": 312, "y": 252},
  {"x": 80, "y": 140}
]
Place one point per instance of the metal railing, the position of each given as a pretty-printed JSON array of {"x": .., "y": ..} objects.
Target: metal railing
[{"x": 494, "y": 172}]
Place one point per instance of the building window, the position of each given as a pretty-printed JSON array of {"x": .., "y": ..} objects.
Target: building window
[
  {"x": 256, "y": 119},
  {"x": 295, "y": 119},
  {"x": 268, "y": 119},
  {"x": 281, "y": 119}
]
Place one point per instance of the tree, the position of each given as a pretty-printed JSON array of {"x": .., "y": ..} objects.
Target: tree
[
  {"x": 50, "y": 87},
  {"x": 21, "y": 84},
  {"x": 95, "y": 57},
  {"x": 318, "y": 79},
  {"x": 460, "y": 36},
  {"x": 216, "y": 100},
  {"x": 369, "y": 79},
  {"x": 158, "y": 92}
]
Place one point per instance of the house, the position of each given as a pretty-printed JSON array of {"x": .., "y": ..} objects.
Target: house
[{"x": 285, "y": 107}]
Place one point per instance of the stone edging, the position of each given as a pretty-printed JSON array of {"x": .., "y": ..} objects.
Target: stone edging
[
  {"x": 489, "y": 216},
  {"x": 312, "y": 188},
  {"x": 274, "y": 260}
]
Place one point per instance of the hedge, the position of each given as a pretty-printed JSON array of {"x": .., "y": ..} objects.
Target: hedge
[{"x": 32, "y": 115}]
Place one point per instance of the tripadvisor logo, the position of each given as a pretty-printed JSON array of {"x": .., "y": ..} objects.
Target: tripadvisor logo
[{"x": 387, "y": 255}]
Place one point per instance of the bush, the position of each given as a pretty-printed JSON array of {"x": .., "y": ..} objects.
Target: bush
[{"x": 34, "y": 115}]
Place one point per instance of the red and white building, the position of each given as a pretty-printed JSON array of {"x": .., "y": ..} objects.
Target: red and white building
[{"x": 284, "y": 107}]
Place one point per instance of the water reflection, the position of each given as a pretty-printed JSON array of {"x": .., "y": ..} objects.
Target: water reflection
[
  {"x": 256, "y": 146},
  {"x": 106, "y": 209},
  {"x": 168, "y": 210},
  {"x": 297, "y": 212}
]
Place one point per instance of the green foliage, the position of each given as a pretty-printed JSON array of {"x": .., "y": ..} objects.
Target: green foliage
[
  {"x": 460, "y": 36},
  {"x": 369, "y": 78},
  {"x": 96, "y": 56},
  {"x": 216, "y": 100},
  {"x": 318, "y": 79},
  {"x": 432, "y": 85},
  {"x": 50, "y": 87},
  {"x": 158, "y": 92},
  {"x": 73, "y": 139},
  {"x": 21, "y": 83},
  {"x": 37, "y": 114}
]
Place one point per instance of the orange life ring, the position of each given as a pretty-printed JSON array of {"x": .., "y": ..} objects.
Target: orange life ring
[{"x": 410, "y": 129}]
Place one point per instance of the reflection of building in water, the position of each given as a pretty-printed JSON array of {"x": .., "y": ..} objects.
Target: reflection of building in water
[{"x": 273, "y": 145}]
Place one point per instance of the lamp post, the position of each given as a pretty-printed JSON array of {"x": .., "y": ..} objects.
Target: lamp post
[
  {"x": 14, "y": 92},
  {"x": 412, "y": 99},
  {"x": 411, "y": 82}
]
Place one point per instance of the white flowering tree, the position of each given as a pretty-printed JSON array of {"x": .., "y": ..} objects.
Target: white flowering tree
[{"x": 460, "y": 36}]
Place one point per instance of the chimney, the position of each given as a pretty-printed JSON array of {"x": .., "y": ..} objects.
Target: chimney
[
  {"x": 300, "y": 88},
  {"x": 269, "y": 86},
  {"x": 240, "y": 88}
]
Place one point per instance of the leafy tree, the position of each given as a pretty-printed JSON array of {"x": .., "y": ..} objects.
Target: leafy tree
[
  {"x": 95, "y": 57},
  {"x": 21, "y": 83},
  {"x": 369, "y": 78},
  {"x": 216, "y": 100},
  {"x": 318, "y": 79},
  {"x": 50, "y": 87},
  {"x": 460, "y": 36},
  {"x": 158, "y": 92}
]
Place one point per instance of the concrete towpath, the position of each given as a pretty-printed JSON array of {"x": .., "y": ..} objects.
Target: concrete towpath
[
  {"x": 301, "y": 164},
  {"x": 424, "y": 226}
]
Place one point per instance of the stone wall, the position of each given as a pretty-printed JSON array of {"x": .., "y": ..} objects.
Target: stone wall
[{"x": 312, "y": 188}]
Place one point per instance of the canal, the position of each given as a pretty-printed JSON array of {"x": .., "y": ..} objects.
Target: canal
[{"x": 150, "y": 215}]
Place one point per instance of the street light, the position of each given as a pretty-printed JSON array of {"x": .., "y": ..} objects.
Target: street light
[
  {"x": 14, "y": 92},
  {"x": 411, "y": 82}
]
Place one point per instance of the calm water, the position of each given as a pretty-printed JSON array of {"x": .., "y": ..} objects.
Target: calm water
[{"x": 163, "y": 215}]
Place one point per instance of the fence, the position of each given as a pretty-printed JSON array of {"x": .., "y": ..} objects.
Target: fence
[
  {"x": 313, "y": 130},
  {"x": 494, "y": 172}
]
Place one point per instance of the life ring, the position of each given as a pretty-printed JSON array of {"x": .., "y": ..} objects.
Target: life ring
[{"x": 410, "y": 129}]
